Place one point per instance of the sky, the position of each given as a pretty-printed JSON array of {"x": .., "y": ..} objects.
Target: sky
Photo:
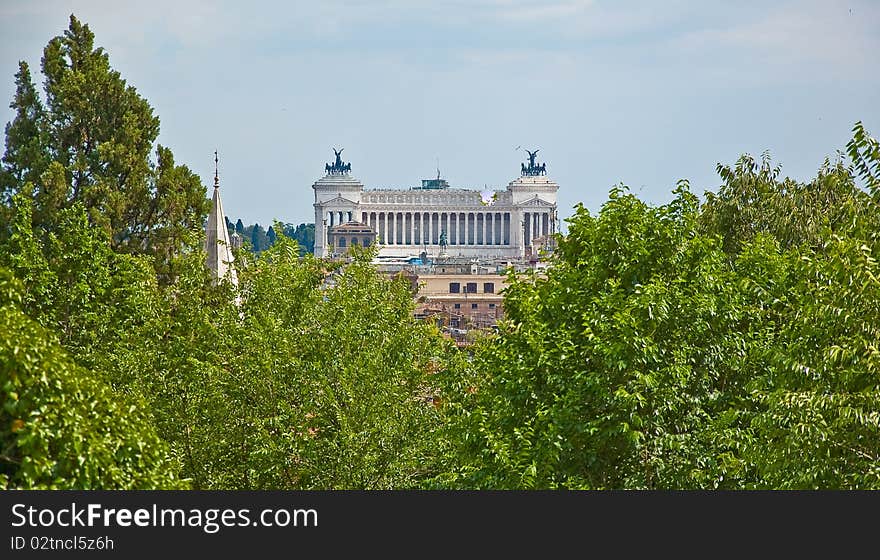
[{"x": 642, "y": 93}]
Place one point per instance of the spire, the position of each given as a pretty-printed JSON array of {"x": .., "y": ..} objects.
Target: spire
[{"x": 217, "y": 244}]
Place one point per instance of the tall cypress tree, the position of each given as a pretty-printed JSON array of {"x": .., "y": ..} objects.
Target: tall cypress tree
[
  {"x": 92, "y": 142},
  {"x": 24, "y": 159}
]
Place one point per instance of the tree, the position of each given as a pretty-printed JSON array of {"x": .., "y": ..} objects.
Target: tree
[
  {"x": 270, "y": 235},
  {"x": 303, "y": 234},
  {"x": 731, "y": 345},
  {"x": 259, "y": 240},
  {"x": 864, "y": 151},
  {"x": 239, "y": 227},
  {"x": 304, "y": 384},
  {"x": 61, "y": 427},
  {"x": 91, "y": 144},
  {"x": 24, "y": 160},
  {"x": 753, "y": 200},
  {"x": 608, "y": 373}
]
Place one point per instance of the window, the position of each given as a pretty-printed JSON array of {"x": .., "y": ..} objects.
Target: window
[
  {"x": 454, "y": 287},
  {"x": 488, "y": 287},
  {"x": 473, "y": 306},
  {"x": 354, "y": 241},
  {"x": 491, "y": 306},
  {"x": 458, "y": 306},
  {"x": 342, "y": 242},
  {"x": 471, "y": 287}
]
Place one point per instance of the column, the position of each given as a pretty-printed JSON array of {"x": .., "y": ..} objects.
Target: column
[
  {"x": 430, "y": 228},
  {"x": 453, "y": 219},
  {"x": 417, "y": 227},
  {"x": 487, "y": 225},
  {"x": 478, "y": 228},
  {"x": 462, "y": 228},
  {"x": 491, "y": 228},
  {"x": 490, "y": 224},
  {"x": 485, "y": 228}
]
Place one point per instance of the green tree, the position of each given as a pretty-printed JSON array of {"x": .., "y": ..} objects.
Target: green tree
[
  {"x": 731, "y": 345},
  {"x": 270, "y": 236},
  {"x": 753, "y": 200},
  {"x": 24, "y": 159},
  {"x": 303, "y": 234},
  {"x": 864, "y": 151},
  {"x": 91, "y": 144},
  {"x": 76, "y": 286},
  {"x": 259, "y": 240},
  {"x": 613, "y": 370},
  {"x": 61, "y": 427},
  {"x": 316, "y": 378}
]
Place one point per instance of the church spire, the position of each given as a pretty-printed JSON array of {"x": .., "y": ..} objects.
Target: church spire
[{"x": 217, "y": 244}]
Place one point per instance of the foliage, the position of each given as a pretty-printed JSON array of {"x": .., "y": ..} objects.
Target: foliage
[
  {"x": 304, "y": 235},
  {"x": 60, "y": 426},
  {"x": 75, "y": 285},
  {"x": 91, "y": 144},
  {"x": 315, "y": 378},
  {"x": 864, "y": 152},
  {"x": 753, "y": 200},
  {"x": 731, "y": 345},
  {"x": 260, "y": 239}
]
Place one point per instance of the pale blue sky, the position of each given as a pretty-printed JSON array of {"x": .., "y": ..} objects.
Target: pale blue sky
[{"x": 641, "y": 92}]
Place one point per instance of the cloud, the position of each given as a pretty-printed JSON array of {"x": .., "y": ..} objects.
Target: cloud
[{"x": 824, "y": 37}]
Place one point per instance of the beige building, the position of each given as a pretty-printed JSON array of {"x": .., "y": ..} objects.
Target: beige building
[
  {"x": 343, "y": 237},
  {"x": 462, "y": 300}
]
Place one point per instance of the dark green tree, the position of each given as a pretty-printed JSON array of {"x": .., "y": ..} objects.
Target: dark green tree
[
  {"x": 91, "y": 144},
  {"x": 270, "y": 236},
  {"x": 303, "y": 234},
  {"x": 259, "y": 240},
  {"x": 239, "y": 227},
  {"x": 24, "y": 159}
]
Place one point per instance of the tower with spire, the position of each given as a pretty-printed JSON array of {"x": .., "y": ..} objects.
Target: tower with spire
[{"x": 217, "y": 243}]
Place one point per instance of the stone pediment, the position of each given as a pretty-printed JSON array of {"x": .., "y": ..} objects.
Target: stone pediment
[
  {"x": 535, "y": 202},
  {"x": 339, "y": 201}
]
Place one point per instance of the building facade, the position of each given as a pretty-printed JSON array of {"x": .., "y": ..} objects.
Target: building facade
[
  {"x": 437, "y": 219},
  {"x": 351, "y": 234},
  {"x": 462, "y": 300}
]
